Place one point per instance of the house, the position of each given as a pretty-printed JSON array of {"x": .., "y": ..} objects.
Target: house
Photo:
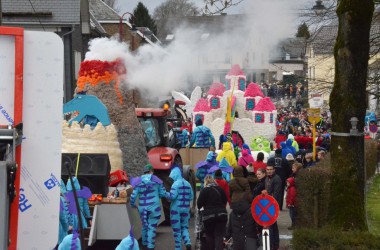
[{"x": 321, "y": 62}]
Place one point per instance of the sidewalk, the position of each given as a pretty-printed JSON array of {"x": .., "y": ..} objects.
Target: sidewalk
[{"x": 284, "y": 222}]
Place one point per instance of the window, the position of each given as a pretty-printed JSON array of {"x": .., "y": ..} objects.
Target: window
[
  {"x": 271, "y": 118},
  {"x": 150, "y": 127},
  {"x": 241, "y": 84},
  {"x": 215, "y": 102},
  {"x": 249, "y": 104},
  {"x": 259, "y": 118}
]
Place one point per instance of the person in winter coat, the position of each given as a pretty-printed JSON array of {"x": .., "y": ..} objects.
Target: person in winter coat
[
  {"x": 259, "y": 163},
  {"x": 252, "y": 179},
  {"x": 296, "y": 167},
  {"x": 228, "y": 154},
  {"x": 273, "y": 185},
  {"x": 204, "y": 166},
  {"x": 294, "y": 142},
  {"x": 202, "y": 136},
  {"x": 241, "y": 227},
  {"x": 223, "y": 184},
  {"x": 70, "y": 242},
  {"x": 129, "y": 242},
  {"x": 180, "y": 195},
  {"x": 83, "y": 194},
  {"x": 280, "y": 137},
  {"x": 260, "y": 186},
  {"x": 148, "y": 189},
  {"x": 246, "y": 158},
  {"x": 213, "y": 200},
  {"x": 291, "y": 200},
  {"x": 239, "y": 187}
]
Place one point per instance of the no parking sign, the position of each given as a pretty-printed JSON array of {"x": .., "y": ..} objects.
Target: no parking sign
[{"x": 265, "y": 210}]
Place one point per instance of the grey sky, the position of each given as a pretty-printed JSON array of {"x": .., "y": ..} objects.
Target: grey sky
[{"x": 130, "y": 5}]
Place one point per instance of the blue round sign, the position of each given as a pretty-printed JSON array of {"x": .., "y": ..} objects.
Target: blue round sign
[{"x": 265, "y": 210}]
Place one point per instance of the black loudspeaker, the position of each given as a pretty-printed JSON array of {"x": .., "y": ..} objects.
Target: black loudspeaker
[{"x": 93, "y": 171}]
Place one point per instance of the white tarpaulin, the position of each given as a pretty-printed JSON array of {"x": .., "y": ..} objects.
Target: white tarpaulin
[{"x": 41, "y": 146}]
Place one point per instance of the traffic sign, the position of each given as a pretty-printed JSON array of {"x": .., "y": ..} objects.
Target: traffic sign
[
  {"x": 265, "y": 210},
  {"x": 313, "y": 115},
  {"x": 373, "y": 128},
  {"x": 266, "y": 239}
]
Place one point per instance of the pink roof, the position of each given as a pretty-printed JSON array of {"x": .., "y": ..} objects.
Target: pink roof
[
  {"x": 236, "y": 71},
  {"x": 253, "y": 90},
  {"x": 265, "y": 104},
  {"x": 202, "y": 105},
  {"x": 217, "y": 89}
]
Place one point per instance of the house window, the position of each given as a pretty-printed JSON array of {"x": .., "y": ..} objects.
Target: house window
[
  {"x": 241, "y": 84},
  {"x": 215, "y": 102},
  {"x": 271, "y": 118},
  {"x": 199, "y": 116},
  {"x": 259, "y": 118},
  {"x": 249, "y": 104}
]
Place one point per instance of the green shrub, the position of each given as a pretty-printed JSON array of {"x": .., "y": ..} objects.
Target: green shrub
[
  {"x": 313, "y": 192},
  {"x": 333, "y": 239},
  {"x": 371, "y": 157}
]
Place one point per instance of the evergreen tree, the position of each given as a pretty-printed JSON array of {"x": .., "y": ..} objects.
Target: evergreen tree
[
  {"x": 143, "y": 19},
  {"x": 303, "y": 31}
]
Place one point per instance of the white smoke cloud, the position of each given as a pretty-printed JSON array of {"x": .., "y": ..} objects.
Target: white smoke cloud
[{"x": 157, "y": 71}]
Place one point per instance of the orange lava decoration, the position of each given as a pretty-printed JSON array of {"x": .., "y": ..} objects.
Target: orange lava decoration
[{"x": 94, "y": 72}]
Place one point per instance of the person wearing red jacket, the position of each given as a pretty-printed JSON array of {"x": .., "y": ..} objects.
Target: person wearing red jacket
[
  {"x": 291, "y": 200},
  {"x": 223, "y": 184},
  {"x": 280, "y": 137}
]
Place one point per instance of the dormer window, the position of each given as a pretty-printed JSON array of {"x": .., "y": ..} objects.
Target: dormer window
[
  {"x": 241, "y": 84},
  {"x": 214, "y": 102},
  {"x": 249, "y": 104}
]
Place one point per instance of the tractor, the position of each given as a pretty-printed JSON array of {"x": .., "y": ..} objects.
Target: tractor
[{"x": 163, "y": 149}]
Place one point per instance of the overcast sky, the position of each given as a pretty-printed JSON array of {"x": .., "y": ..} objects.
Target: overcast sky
[{"x": 130, "y": 5}]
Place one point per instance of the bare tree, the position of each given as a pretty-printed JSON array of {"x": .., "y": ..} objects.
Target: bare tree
[
  {"x": 218, "y": 6},
  {"x": 173, "y": 8}
]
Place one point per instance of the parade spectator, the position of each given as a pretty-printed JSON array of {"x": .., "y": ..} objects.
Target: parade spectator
[
  {"x": 180, "y": 195},
  {"x": 251, "y": 177},
  {"x": 259, "y": 163},
  {"x": 246, "y": 158},
  {"x": 283, "y": 170},
  {"x": 280, "y": 137},
  {"x": 321, "y": 155},
  {"x": 148, "y": 189},
  {"x": 273, "y": 185},
  {"x": 309, "y": 162},
  {"x": 202, "y": 136},
  {"x": 239, "y": 187},
  {"x": 223, "y": 184},
  {"x": 260, "y": 186},
  {"x": 228, "y": 154},
  {"x": 290, "y": 159},
  {"x": 291, "y": 200},
  {"x": 296, "y": 167},
  {"x": 213, "y": 200}
]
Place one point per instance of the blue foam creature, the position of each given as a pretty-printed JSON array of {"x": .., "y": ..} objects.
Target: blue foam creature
[
  {"x": 225, "y": 167},
  {"x": 202, "y": 167},
  {"x": 83, "y": 194},
  {"x": 183, "y": 137},
  {"x": 129, "y": 242},
  {"x": 90, "y": 109},
  {"x": 148, "y": 189},
  {"x": 64, "y": 219},
  {"x": 370, "y": 117},
  {"x": 70, "y": 242},
  {"x": 180, "y": 195},
  {"x": 202, "y": 136}
]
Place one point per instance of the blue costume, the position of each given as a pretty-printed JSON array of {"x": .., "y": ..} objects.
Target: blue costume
[
  {"x": 128, "y": 243},
  {"x": 180, "y": 195},
  {"x": 148, "y": 189},
  {"x": 70, "y": 242},
  {"x": 204, "y": 166},
  {"x": 202, "y": 136},
  {"x": 183, "y": 137},
  {"x": 226, "y": 169},
  {"x": 82, "y": 194},
  {"x": 287, "y": 148},
  {"x": 64, "y": 218}
]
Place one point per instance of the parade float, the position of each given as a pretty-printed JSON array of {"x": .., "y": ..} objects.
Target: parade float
[{"x": 234, "y": 106}]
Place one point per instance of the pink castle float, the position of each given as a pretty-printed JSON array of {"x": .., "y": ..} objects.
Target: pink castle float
[{"x": 255, "y": 114}]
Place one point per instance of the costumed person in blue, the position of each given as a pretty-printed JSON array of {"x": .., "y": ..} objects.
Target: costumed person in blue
[
  {"x": 83, "y": 194},
  {"x": 203, "y": 167},
  {"x": 225, "y": 167},
  {"x": 64, "y": 218},
  {"x": 202, "y": 136},
  {"x": 70, "y": 242},
  {"x": 183, "y": 137},
  {"x": 129, "y": 242},
  {"x": 148, "y": 189},
  {"x": 180, "y": 195}
]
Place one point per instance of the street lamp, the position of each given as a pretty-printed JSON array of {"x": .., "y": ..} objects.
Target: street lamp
[{"x": 133, "y": 28}]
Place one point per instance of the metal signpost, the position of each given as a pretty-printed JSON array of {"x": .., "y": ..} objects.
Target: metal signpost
[
  {"x": 265, "y": 211},
  {"x": 314, "y": 116}
]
